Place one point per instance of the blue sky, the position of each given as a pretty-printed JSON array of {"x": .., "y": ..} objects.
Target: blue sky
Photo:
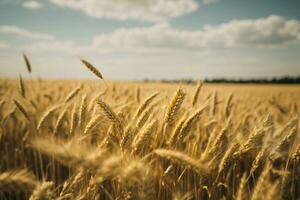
[{"x": 137, "y": 39}]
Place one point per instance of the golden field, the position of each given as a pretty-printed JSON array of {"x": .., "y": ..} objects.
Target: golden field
[{"x": 126, "y": 140}]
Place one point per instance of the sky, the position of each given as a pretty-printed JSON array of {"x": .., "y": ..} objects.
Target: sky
[{"x": 151, "y": 39}]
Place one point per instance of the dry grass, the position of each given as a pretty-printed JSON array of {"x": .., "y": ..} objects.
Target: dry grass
[{"x": 84, "y": 140}]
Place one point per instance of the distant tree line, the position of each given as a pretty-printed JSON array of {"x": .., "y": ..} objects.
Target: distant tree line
[{"x": 275, "y": 80}]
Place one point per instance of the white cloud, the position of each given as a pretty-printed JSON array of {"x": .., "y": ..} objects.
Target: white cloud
[
  {"x": 34, "y": 5},
  {"x": 210, "y": 1},
  {"x": 273, "y": 31},
  {"x": 144, "y": 10},
  {"x": 25, "y": 33},
  {"x": 265, "y": 32}
]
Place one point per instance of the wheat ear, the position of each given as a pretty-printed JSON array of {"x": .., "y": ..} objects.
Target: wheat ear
[
  {"x": 92, "y": 68},
  {"x": 72, "y": 94},
  {"x": 110, "y": 114},
  {"x": 242, "y": 190},
  {"x": 22, "y": 87},
  {"x": 182, "y": 159},
  {"x": 47, "y": 114},
  {"x": 22, "y": 109},
  {"x": 174, "y": 106},
  {"x": 196, "y": 94},
  {"x": 43, "y": 191},
  {"x": 145, "y": 104},
  {"x": 143, "y": 139},
  {"x": 28, "y": 65},
  {"x": 20, "y": 180}
]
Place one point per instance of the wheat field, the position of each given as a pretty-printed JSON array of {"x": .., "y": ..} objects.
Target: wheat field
[{"x": 124, "y": 140}]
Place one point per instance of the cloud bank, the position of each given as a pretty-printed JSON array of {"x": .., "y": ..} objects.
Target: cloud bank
[
  {"x": 272, "y": 31},
  {"x": 144, "y": 10}
]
